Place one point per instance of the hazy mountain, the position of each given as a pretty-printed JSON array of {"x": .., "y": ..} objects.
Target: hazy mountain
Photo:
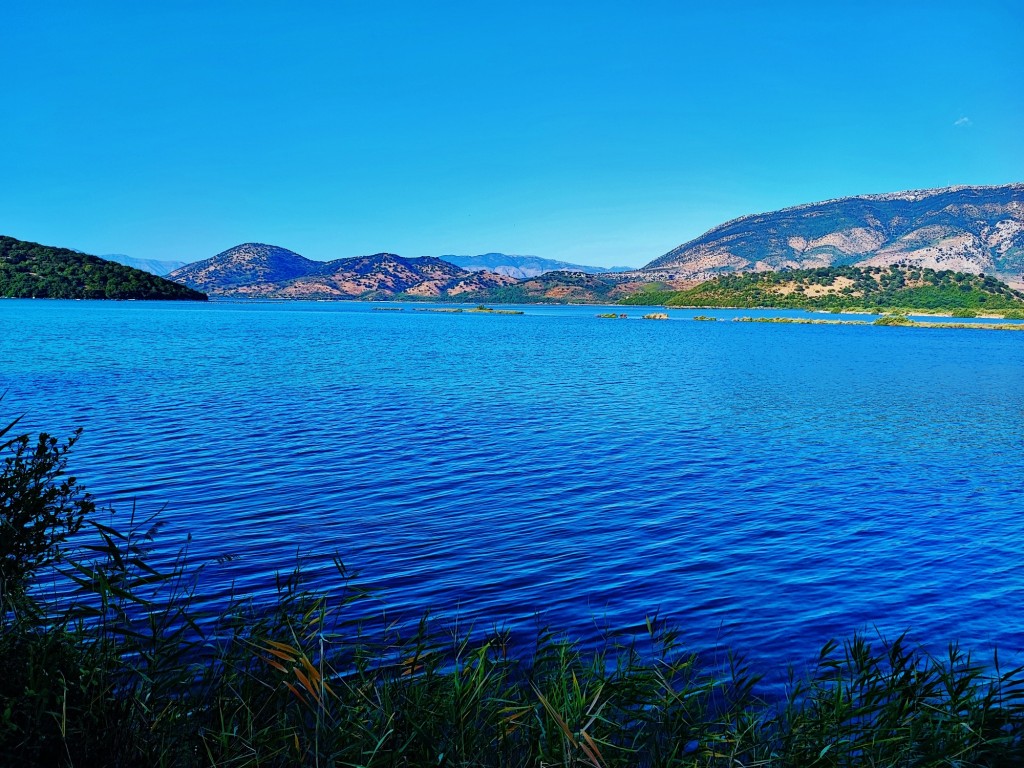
[
  {"x": 153, "y": 266},
  {"x": 523, "y": 266},
  {"x": 967, "y": 229},
  {"x": 244, "y": 269},
  {"x": 31, "y": 270}
]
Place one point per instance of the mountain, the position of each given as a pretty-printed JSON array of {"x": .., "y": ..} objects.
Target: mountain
[
  {"x": 31, "y": 270},
  {"x": 385, "y": 275},
  {"x": 523, "y": 266},
  {"x": 255, "y": 270},
  {"x": 153, "y": 266},
  {"x": 244, "y": 269},
  {"x": 967, "y": 229}
]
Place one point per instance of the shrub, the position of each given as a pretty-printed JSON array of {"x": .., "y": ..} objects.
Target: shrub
[
  {"x": 39, "y": 509},
  {"x": 893, "y": 320}
]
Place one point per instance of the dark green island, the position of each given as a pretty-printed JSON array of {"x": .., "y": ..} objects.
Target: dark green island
[{"x": 34, "y": 271}]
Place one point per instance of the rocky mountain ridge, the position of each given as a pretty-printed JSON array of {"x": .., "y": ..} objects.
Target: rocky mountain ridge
[{"x": 965, "y": 228}]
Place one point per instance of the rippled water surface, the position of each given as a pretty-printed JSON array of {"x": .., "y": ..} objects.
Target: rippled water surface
[{"x": 766, "y": 487}]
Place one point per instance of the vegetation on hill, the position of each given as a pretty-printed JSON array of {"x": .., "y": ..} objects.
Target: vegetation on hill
[
  {"x": 106, "y": 661},
  {"x": 837, "y": 288},
  {"x": 558, "y": 287},
  {"x": 244, "y": 265},
  {"x": 650, "y": 295},
  {"x": 30, "y": 270}
]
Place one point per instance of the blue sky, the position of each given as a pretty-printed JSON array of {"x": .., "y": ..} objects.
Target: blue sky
[{"x": 595, "y": 132}]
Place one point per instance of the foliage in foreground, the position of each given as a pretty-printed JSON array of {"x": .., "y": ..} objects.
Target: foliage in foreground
[{"x": 106, "y": 660}]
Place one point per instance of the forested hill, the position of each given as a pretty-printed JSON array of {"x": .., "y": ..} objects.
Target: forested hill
[
  {"x": 900, "y": 286},
  {"x": 30, "y": 270}
]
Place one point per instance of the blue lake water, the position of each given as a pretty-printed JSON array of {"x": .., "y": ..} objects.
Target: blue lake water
[{"x": 765, "y": 487}]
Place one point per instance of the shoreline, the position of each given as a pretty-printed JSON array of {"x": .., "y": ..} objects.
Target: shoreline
[
  {"x": 852, "y": 311},
  {"x": 457, "y": 305}
]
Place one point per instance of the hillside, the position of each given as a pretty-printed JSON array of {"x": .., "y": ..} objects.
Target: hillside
[
  {"x": 850, "y": 288},
  {"x": 254, "y": 270},
  {"x": 562, "y": 287},
  {"x": 522, "y": 267},
  {"x": 244, "y": 269},
  {"x": 979, "y": 230},
  {"x": 385, "y": 276},
  {"x": 31, "y": 270}
]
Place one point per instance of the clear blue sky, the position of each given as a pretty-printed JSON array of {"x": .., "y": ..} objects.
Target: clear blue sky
[{"x": 596, "y": 132}]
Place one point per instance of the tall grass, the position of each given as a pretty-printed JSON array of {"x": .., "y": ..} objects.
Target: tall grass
[{"x": 116, "y": 665}]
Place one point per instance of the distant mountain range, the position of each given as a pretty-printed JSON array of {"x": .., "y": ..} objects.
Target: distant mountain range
[
  {"x": 967, "y": 229},
  {"x": 257, "y": 270},
  {"x": 524, "y": 266},
  {"x": 974, "y": 230},
  {"x": 385, "y": 275},
  {"x": 269, "y": 271},
  {"x": 153, "y": 266}
]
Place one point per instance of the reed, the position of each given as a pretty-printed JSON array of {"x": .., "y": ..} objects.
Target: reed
[{"x": 107, "y": 660}]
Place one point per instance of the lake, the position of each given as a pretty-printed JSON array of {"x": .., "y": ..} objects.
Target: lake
[{"x": 764, "y": 486}]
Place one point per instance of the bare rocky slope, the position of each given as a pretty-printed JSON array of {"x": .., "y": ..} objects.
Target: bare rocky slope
[{"x": 977, "y": 230}]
